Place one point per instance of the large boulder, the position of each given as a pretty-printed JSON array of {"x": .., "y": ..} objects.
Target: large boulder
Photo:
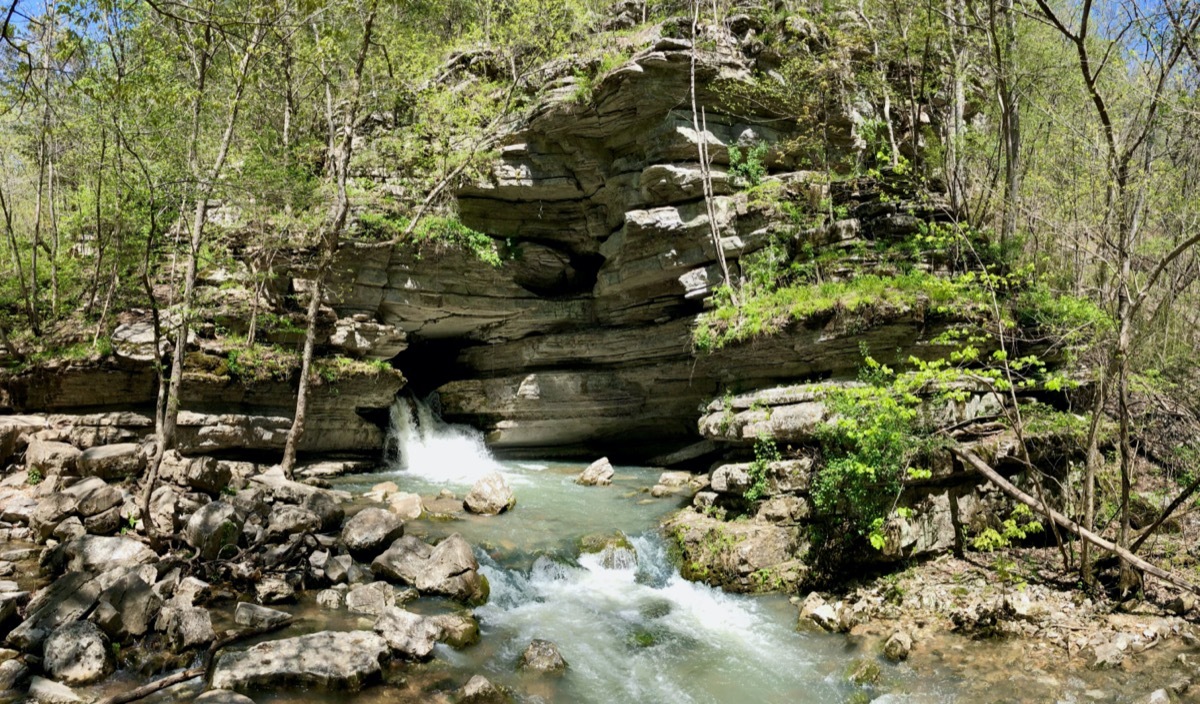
[
  {"x": 128, "y": 606},
  {"x": 371, "y": 530},
  {"x": 166, "y": 514},
  {"x": 286, "y": 520},
  {"x": 409, "y": 635},
  {"x": 50, "y": 512},
  {"x": 112, "y": 461},
  {"x": 542, "y": 656},
  {"x": 64, "y": 600},
  {"x": 324, "y": 503},
  {"x": 190, "y": 627},
  {"x": 203, "y": 473},
  {"x": 93, "y": 496},
  {"x": 334, "y": 660},
  {"x": 99, "y": 553},
  {"x": 77, "y": 653},
  {"x": 449, "y": 569},
  {"x": 51, "y": 458},
  {"x": 598, "y": 473},
  {"x": 213, "y": 529},
  {"x": 490, "y": 495}
]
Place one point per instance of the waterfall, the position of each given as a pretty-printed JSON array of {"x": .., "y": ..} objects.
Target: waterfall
[{"x": 421, "y": 444}]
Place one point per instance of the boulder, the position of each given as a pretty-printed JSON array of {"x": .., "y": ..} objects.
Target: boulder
[
  {"x": 70, "y": 529},
  {"x": 44, "y": 691},
  {"x": 255, "y": 616},
  {"x": 337, "y": 568},
  {"x": 98, "y": 553},
  {"x": 135, "y": 342},
  {"x": 214, "y": 528},
  {"x": 65, "y": 600},
  {"x": 202, "y": 473},
  {"x": 49, "y": 512},
  {"x": 165, "y": 513},
  {"x": 94, "y": 496},
  {"x": 898, "y": 646},
  {"x": 77, "y": 653},
  {"x": 370, "y": 531},
  {"x": 598, "y": 473},
  {"x": 449, "y": 569},
  {"x": 286, "y": 520},
  {"x": 329, "y": 599},
  {"x": 51, "y": 458},
  {"x": 542, "y": 656},
  {"x": 345, "y": 661},
  {"x": 128, "y": 606},
  {"x": 456, "y": 630},
  {"x": 112, "y": 461},
  {"x": 480, "y": 690},
  {"x": 273, "y": 590},
  {"x": 490, "y": 496},
  {"x": 12, "y": 672},
  {"x": 105, "y": 523},
  {"x": 406, "y": 506},
  {"x": 222, "y": 696},
  {"x": 190, "y": 627},
  {"x": 373, "y": 598},
  {"x": 322, "y": 502},
  {"x": 409, "y": 635}
]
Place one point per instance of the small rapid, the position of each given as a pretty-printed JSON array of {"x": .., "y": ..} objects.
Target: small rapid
[{"x": 630, "y": 626}]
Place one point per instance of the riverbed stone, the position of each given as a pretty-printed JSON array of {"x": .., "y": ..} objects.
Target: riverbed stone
[
  {"x": 214, "y": 529},
  {"x": 598, "y": 473},
  {"x": 542, "y": 656},
  {"x": 346, "y": 660},
  {"x": 44, "y": 691},
  {"x": 255, "y": 616},
  {"x": 286, "y": 520},
  {"x": 222, "y": 696},
  {"x": 12, "y": 672},
  {"x": 190, "y": 627},
  {"x": 411, "y": 636},
  {"x": 406, "y": 506},
  {"x": 480, "y": 690},
  {"x": 274, "y": 590},
  {"x": 65, "y": 600},
  {"x": 898, "y": 646},
  {"x": 132, "y": 603},
  {"x": 329, "y": 599},
  {"x": 370, "y": 531},
  {"x": 99, "y": 553},
  {"x": 94, "y": 496},
  {"x": 77, "y": 653},
  {"x": 449, "y": 569},
  {"x": 490, "y": 496},
  {"x": 50, "y": 457},
  {"x": 49, "y": 512},
  {"x": 112, "y": 461},
  {"x": 373, "y": 598},
  {"x": 456, "y": 630},
  {"x": 203, "y": 473}
]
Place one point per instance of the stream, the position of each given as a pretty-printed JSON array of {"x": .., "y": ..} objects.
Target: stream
[{"x": 633, "y": 630}]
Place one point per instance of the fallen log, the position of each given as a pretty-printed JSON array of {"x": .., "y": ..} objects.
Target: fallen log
[{"x": 1062, "y": 521}]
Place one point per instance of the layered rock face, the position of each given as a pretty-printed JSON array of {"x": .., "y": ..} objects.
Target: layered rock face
[{"x": 581, "y": 340}]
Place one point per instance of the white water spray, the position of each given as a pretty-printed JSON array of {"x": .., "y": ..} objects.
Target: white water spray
[{"x": 425, "y": 446}]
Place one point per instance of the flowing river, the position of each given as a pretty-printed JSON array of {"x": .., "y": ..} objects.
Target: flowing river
[{"x": 631, "y": 628}]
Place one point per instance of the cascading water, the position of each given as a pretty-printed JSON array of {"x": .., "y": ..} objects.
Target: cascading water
[{"x": 421, "y": 444}]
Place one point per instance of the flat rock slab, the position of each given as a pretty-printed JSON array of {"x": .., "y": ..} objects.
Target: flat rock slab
[{"x": 342, "y": 660}]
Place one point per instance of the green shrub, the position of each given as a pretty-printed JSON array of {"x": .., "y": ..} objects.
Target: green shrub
[{"x": 746, "y": 166}]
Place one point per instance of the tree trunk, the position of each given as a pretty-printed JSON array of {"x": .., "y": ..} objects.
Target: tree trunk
[{"x": 332, "y": 231}]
